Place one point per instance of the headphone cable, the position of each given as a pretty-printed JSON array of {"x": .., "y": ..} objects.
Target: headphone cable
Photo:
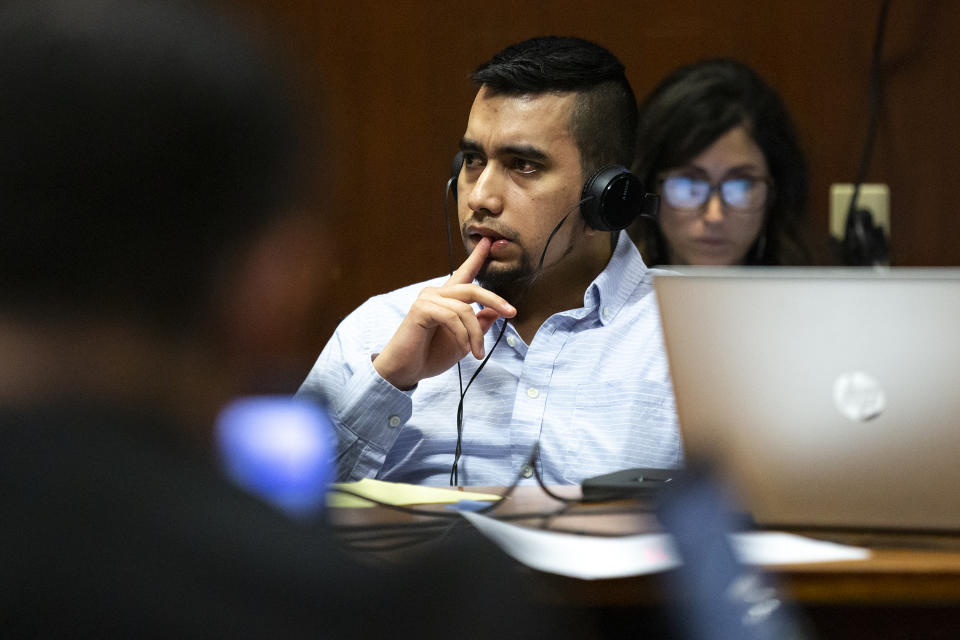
[
  {"x": 458, "y": 450},
  {"x": 867, "y": 252}
]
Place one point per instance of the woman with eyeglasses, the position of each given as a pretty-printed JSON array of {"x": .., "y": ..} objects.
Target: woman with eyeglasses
[{"x": 717, "y": 144}]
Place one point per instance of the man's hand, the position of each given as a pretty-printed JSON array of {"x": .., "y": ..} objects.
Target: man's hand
[{"x": 442, "y": 327}]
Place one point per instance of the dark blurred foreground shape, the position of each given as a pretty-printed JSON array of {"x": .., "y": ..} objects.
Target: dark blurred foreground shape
[{"x": 146, "y": 251}]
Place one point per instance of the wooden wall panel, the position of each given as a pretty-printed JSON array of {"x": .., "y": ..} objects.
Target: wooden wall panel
[{"x": 395, "y": 100}]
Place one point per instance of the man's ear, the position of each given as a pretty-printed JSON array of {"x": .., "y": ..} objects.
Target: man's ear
[{"x": 273, "y": 290}]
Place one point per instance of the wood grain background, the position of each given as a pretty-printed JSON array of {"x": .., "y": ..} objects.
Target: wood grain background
[{"x": 385, "y": 89}]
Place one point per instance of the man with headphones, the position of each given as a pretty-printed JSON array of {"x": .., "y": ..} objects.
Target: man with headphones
[{"x": 422, "y": 390}]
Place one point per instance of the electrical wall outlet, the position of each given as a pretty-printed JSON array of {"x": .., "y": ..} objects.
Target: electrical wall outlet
[{"x": 875, "y": 197}]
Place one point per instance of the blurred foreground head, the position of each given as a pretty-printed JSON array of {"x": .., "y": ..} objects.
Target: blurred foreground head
[
  {"x": 142, "y": 146},
  {"x": 147, "y": 181}
]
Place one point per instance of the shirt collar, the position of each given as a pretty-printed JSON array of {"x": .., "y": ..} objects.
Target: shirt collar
[{"x": 610, "y": 290}]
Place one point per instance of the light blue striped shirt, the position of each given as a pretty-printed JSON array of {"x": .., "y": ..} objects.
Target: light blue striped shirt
[{"x": 593, "y": 386}]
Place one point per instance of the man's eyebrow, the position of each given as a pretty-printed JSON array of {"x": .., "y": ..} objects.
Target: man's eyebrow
[
  {"x": 523, "y": 150},
  {"x": 527, "y": 151},
  {"x": 466, "y": 144}
]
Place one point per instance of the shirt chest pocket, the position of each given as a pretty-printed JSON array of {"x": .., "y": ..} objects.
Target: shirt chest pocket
[{"x": 621, "y": 424}]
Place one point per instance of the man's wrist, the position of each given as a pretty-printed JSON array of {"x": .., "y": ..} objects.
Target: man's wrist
[{"x": 384, "y": 371}]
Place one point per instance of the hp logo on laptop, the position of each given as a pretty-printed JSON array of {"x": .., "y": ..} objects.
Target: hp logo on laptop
[{"x": 858, "y": 396}]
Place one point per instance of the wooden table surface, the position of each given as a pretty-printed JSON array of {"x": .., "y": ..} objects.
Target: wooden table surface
[{"x": 903, "y": 568}]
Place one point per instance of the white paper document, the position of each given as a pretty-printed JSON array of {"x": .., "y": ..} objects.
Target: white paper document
[{"x": 595, "y": 557}]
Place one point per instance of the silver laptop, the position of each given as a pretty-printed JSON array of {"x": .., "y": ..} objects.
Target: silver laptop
[{"x": 829, "y": 397}]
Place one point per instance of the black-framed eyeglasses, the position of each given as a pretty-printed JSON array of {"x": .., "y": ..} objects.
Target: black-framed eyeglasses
[{"x": 745, "y": 195}]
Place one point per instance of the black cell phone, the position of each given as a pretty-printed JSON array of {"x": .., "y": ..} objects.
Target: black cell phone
[{"x": 628, "y": 483}]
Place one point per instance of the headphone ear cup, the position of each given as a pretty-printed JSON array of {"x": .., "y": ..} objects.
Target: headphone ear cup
[
  {"x": 455, "y": 167},
  {"x": 612, "y": 198}
]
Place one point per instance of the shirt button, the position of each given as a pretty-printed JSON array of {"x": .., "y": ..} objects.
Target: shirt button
[
  {"x": 511, "y": 341},
  {"x": 394, "y": 421},
  {"x": 533, "y": 393},
  {"x": 606, "y": 313},
  {"x": 526, "y": 470}
]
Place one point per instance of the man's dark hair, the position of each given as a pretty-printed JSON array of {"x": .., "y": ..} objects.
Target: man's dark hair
[
  {"x": 140, "y": 143},
  {"x": 694, "y": 106},
  {"x": 604, "y": 118}
]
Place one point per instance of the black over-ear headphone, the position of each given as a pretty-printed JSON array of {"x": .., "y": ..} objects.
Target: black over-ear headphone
[{"x": 612, "y": 198}]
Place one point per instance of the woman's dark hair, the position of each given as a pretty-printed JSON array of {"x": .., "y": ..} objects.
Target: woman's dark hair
[{"x": 687, "y": 112}]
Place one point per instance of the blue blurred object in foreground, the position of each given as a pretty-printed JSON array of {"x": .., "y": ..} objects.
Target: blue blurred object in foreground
[
  {"x": 714, "y": 596},
  {"x": 279, "y": 448}
]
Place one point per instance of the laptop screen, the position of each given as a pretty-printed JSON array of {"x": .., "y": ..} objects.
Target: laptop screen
[{"x": 827, "y": 395}]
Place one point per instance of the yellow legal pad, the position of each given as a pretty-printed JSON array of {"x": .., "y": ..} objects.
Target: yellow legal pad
[{"x": 398, "y": 493}]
